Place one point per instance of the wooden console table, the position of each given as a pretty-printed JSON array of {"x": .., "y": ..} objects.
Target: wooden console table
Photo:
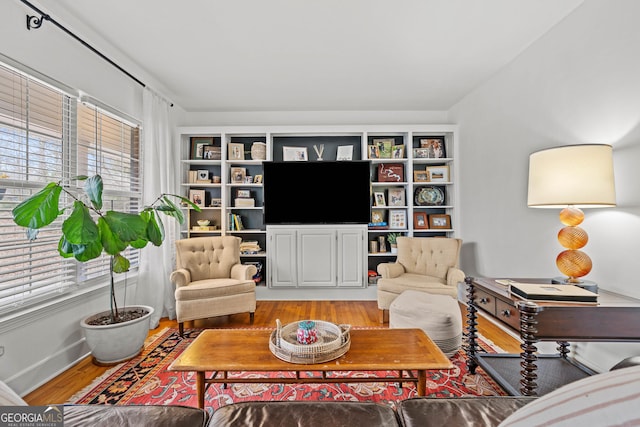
[{"x": 614, "y": 318}]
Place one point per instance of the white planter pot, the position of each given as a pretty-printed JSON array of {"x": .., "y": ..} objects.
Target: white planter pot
[{"x": 111, "y": 344}]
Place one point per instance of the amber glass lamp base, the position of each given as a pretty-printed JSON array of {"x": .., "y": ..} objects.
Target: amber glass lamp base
[{"x": 573, "y": 262}]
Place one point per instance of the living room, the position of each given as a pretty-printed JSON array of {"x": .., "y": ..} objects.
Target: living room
[{"x": 573, "y": 81}]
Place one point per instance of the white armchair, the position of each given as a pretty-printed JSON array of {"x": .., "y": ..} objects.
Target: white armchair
[
  {"x": 426, "y": 264},
  {"x": 210, "y": 280}
]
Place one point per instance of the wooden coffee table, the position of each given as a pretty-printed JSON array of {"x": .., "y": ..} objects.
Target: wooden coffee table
[{"x": 220, "y": 351}]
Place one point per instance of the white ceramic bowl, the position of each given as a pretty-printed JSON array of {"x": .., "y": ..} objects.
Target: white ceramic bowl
[{"x": 203, "y": 222}]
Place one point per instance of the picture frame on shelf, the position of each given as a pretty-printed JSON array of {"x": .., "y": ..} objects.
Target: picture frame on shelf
[
  {"x": 197, "y": 197},
  {"x": 397, "y": 151},
  {"x": 438, "y": 173},
  {"x": 294, "y": 154},
  {"x": 257, "y": 179},
  {"x": 345, "y": 152},
  {"x": 379, "y": 199},
  {"x": 197, "y": 146},
  {"x": 435, "y": 146},
  {"x": 420, "y": 153},
  {"x": 243, "y": 193},
  {"x": 385, "y": 147},
  {"x": 202, "y": 175},
  {"x": 420, "y": 176},
  {"x": 215, "y": 203},
  {"x": 211, "y": 152},
  {"x": 420, "y": 221},
  {"x": 398, "y": 218},
  {"x": 236, "y": 151},
  {"x": 238, "y": 175},
  {"x": 373, "y": 152},
  {"x": 397, "y": 197},
  {"x": 377, "y": 216},
  {"x": 439, "y": 221},
  {"x": 393, "y": 172}
]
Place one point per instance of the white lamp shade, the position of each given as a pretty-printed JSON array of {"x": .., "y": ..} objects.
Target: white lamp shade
[{"x": 578, "y": 175}]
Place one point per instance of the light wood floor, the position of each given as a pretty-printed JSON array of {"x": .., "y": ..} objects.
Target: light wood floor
[{"x": 355, "y": 313}]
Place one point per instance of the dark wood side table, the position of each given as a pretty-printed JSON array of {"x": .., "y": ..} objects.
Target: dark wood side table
[{"x": 616, "y": 318}]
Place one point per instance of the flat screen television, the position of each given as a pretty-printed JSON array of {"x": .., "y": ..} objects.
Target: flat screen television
[{"x": 324, "y": 192}]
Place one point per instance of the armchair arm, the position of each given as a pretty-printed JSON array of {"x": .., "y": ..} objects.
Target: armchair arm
[
  {"x": 389, "y": 270},
  {"x": 181, "y": 277},
  {"x": 454, "y": 276},
  {"x": 243, "y": 271}
]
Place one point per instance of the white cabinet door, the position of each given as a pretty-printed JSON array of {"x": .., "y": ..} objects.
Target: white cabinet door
[
  {"x": 282, "y": 258},
  {"x": 317, "y": 258},
  {"x": 351, "y": 258}
]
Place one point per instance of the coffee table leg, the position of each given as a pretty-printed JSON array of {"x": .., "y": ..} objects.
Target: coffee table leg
[
  {"x": 200, "y": 388},
  {"x": 422, "y": 382}
]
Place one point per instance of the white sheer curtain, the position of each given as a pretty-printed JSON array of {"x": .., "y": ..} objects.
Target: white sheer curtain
[{"x": 160, "y": 169}]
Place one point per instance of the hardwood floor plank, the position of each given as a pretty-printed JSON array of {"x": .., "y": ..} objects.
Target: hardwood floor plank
[{"x": 355, "y": 313}]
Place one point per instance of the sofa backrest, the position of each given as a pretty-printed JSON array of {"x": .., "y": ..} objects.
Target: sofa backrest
[
  {"x": 432, "y": 256},
  {"x": 208, "y": 257}
]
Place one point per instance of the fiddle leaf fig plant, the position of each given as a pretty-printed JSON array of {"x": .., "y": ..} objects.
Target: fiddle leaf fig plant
[{"x": 89, "y": 231}]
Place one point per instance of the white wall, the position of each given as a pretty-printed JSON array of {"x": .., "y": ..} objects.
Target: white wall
[{"x": 578, "y": 84}]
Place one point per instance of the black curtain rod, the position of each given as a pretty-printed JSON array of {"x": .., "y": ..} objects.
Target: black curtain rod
[{"x": 33, "y": 22}]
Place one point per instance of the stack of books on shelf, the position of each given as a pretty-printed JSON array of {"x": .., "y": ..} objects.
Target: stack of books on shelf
[
  {"x": 235, "y": 222},
  {"x": 249, "y": 247},
  {"x": 382, "y": 225}
]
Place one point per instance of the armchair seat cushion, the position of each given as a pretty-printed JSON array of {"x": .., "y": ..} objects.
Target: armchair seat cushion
[
  {"x": 416, "y": 282},
  {"x": 212, "y": 288}
]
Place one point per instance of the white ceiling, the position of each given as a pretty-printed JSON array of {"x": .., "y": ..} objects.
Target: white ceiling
[{"x": 315, "y": 55}]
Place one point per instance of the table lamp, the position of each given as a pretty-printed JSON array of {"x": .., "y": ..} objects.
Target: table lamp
[{"x": 572, "y": 177}]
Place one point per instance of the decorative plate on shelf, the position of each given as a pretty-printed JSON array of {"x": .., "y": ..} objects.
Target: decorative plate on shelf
[{"x": 429, "y": 196}]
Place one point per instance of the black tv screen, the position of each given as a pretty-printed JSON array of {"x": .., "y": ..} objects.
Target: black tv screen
[{"x": 316, "y": 192}]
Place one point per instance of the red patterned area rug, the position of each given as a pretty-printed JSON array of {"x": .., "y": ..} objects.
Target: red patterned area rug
[{"x": 145, "y": 380}]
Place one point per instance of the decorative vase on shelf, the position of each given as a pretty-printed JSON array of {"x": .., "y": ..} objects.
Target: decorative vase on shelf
[{"x": 259, "y": 151}]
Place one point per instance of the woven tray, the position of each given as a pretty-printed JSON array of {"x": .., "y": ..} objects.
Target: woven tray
[{"x": 333, "y": 341}]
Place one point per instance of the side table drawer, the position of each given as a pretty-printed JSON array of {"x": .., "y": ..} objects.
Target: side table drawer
[
  {"x": 508, "y": 313},
  {"x": 486, "y": 301}
]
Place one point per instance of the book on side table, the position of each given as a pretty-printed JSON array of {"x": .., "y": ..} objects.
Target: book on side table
[{"x": 553, "y": 292}]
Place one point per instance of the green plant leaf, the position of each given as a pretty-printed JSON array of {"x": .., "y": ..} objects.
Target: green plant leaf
[
  {"x": 93, "y": 188},
  {"x": 79, "y": 228},
  {"x": 173, "y": 210},
  {"x": 65, "y": 249},
  {"x": 110, "y": 242},
  {"x": 127, "y": 227},
  {"x": 155, "y": 229},
  {"x": 40, "y": 209},
  {"x": 87, "y": 252},
  {"x": 120, "y": 264}
]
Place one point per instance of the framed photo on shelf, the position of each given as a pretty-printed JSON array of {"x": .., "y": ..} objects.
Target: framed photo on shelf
[
  {"x": 203, "y": 175},
  {"x": 438, "y": 221},
  {"x": 237, "y": 175},
  {"x": 379, "y": 199},
  {"x": 211, "y": 152},
  {"x": 396, "y": 197},
  {"x": 420, "y": 176},
  {"x": 373, "y": 152},
  {"x": 243, "y": 194},
  {"x": 345, "y": 152},
  {"x": 257, "y": 179},
  {"x": 421, "y": 153},
  {"x": 397, "y": 151},
  {"x": 294, "y": 154},
  {"x": 420, "y": 220},
  {"x": 385, "y": 147},
  {"x": 197, "y": 146},
  {"x": 236, "y": 151},
  {"x": 438, "y": 173},
  {"x": 377, "y": 217},
  {"x": 197, "y": 197},
  {"x": 435, "y": 147},
  {"x": 398, "y": 218}
]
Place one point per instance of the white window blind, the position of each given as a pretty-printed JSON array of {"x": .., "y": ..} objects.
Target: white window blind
[
  {"x": 47, "y": 135},
  {"x": 34, "y": 139},
  {"x": 109, "y": 146}
]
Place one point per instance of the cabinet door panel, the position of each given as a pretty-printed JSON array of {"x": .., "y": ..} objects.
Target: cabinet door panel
[
  {"x": 317, "y": 258},
  {"x": 351, "y": 258},
  {"x": 282, "y": 259}
]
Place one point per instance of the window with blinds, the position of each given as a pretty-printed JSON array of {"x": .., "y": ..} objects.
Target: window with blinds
[{"x": 47, "y": 135}]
